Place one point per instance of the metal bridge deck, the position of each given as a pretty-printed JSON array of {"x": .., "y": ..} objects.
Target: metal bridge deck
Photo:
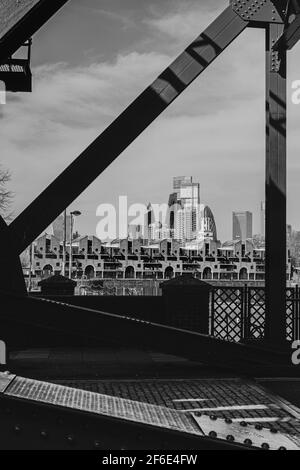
[
  {"x": 184, "y": 418},
  {"x": 83, "y": 400}
]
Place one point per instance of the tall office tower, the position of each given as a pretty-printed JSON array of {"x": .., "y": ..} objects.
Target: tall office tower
[
  {"x": 208, "y": 227},
  {"x": 184, "y": 225},
  {"x": 186, "y": 199},
  {"x": 262, "y": 218},
  {"x": 149, "y": 220},
  {"x": 58, "y": 228},
  {"x": 241, "y": 225},
  {"x": 172, "y": 213}
]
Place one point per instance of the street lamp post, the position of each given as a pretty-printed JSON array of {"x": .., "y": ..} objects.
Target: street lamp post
[
  {"x": 30, "y": 268},
  {"x": 64, "y": 243},
  {"x": 73, "y": 214}
]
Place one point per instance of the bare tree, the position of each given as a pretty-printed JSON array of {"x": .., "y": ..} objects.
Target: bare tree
[{"x": 5, "y": 195}]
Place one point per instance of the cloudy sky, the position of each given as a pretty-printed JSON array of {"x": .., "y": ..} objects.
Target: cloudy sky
[{"x": 92, "y": 60}]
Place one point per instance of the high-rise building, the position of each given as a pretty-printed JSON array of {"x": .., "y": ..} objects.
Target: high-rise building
[
  {"x": 241, "y": 225},
  {"x": 208, "y": 228},
  {"x": 149, "y": 220},
  {"x": 184, "y": 225},
  {"x": 184, "y": 205},
  {"x": 262, "y": 218}
]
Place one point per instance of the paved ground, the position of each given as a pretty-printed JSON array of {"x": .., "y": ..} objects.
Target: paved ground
[
  {"x": 227, "y": 398},
  {"x": 166, "y": 380}
]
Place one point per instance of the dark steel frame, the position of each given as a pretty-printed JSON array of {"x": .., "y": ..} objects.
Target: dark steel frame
[{"x": 279, "y": 19}]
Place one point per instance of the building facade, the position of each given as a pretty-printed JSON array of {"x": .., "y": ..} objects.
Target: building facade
[{"x": 206, "y": 259}]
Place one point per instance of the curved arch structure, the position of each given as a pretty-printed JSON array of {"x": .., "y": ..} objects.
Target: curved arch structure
[{"x": 207, "y": 222}]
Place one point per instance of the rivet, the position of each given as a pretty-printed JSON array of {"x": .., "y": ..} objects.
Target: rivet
[
  {"x": 70, "y": 440},
  {"x": 282, "y": 448},
  {"x": 17, "y": 429},
  {"x": 244, "y": 424},
  {"x": 213, "y": 434},
  {"x": 230, "y": 438},
  {"x": 213, "y": 417},
  {"x": 273, "y": 431},
  {"x": 228, "y": 421},
  {"x": 248, "y": 442},
  {"x": 44, "y": 434},
  {"x": 258, "y": 427},
  {"x": 265, "y": 446}
]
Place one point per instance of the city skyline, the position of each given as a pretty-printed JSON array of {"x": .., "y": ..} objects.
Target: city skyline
[{"x": 159, "y": 223}]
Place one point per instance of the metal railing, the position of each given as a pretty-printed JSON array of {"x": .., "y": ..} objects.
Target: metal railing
[{"x": 238, "y": 313}]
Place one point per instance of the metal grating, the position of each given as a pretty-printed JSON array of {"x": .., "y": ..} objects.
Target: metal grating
[
  {"x": 256, "y": 313},
  {"x": 90, "y": 402},
  {"x": 239, "y": 313},
  {"x": 12, "y": 68},
  {"x": 227, "y": 308},
  {"x": 5, "y": 380}
]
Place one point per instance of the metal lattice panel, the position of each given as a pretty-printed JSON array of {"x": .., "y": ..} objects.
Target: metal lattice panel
[
  {"x": 290, "y": 317},
  {"x": 239, "y": 313},
  {"x": 227, "y": 314},
  {"x": 256, "y": 313}
]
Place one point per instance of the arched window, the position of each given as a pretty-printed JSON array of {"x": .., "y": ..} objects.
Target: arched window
[
  {"x": 169, "y": 272},
  {"x": 243, "y": 276},
  {"x": 89, "y": 272},
  {"x": 47, "y": 270},
  {"x": 129, "y": 272},
  {"x": 207, "y": 274}
]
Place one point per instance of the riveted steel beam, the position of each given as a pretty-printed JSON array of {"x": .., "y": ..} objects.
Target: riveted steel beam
[
  {"x": 276, "y": 99},
  {"x": 126, "y": 128},
  {"x": 251, "y": 435},
  {"x": 260, "y": 11}
]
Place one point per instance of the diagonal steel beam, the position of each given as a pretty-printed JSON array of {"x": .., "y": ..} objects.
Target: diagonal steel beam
[
  {"x": 19, "y": 20},
  {"x": 290, "y": 36},
  {"x": 11, "y": 275},
  {"x": 126, "y": 128},
  {"x": 291, "y": 33}
]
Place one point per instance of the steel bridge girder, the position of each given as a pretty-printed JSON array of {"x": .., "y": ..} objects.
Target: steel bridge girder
[{"x": 260, "y": 11}]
